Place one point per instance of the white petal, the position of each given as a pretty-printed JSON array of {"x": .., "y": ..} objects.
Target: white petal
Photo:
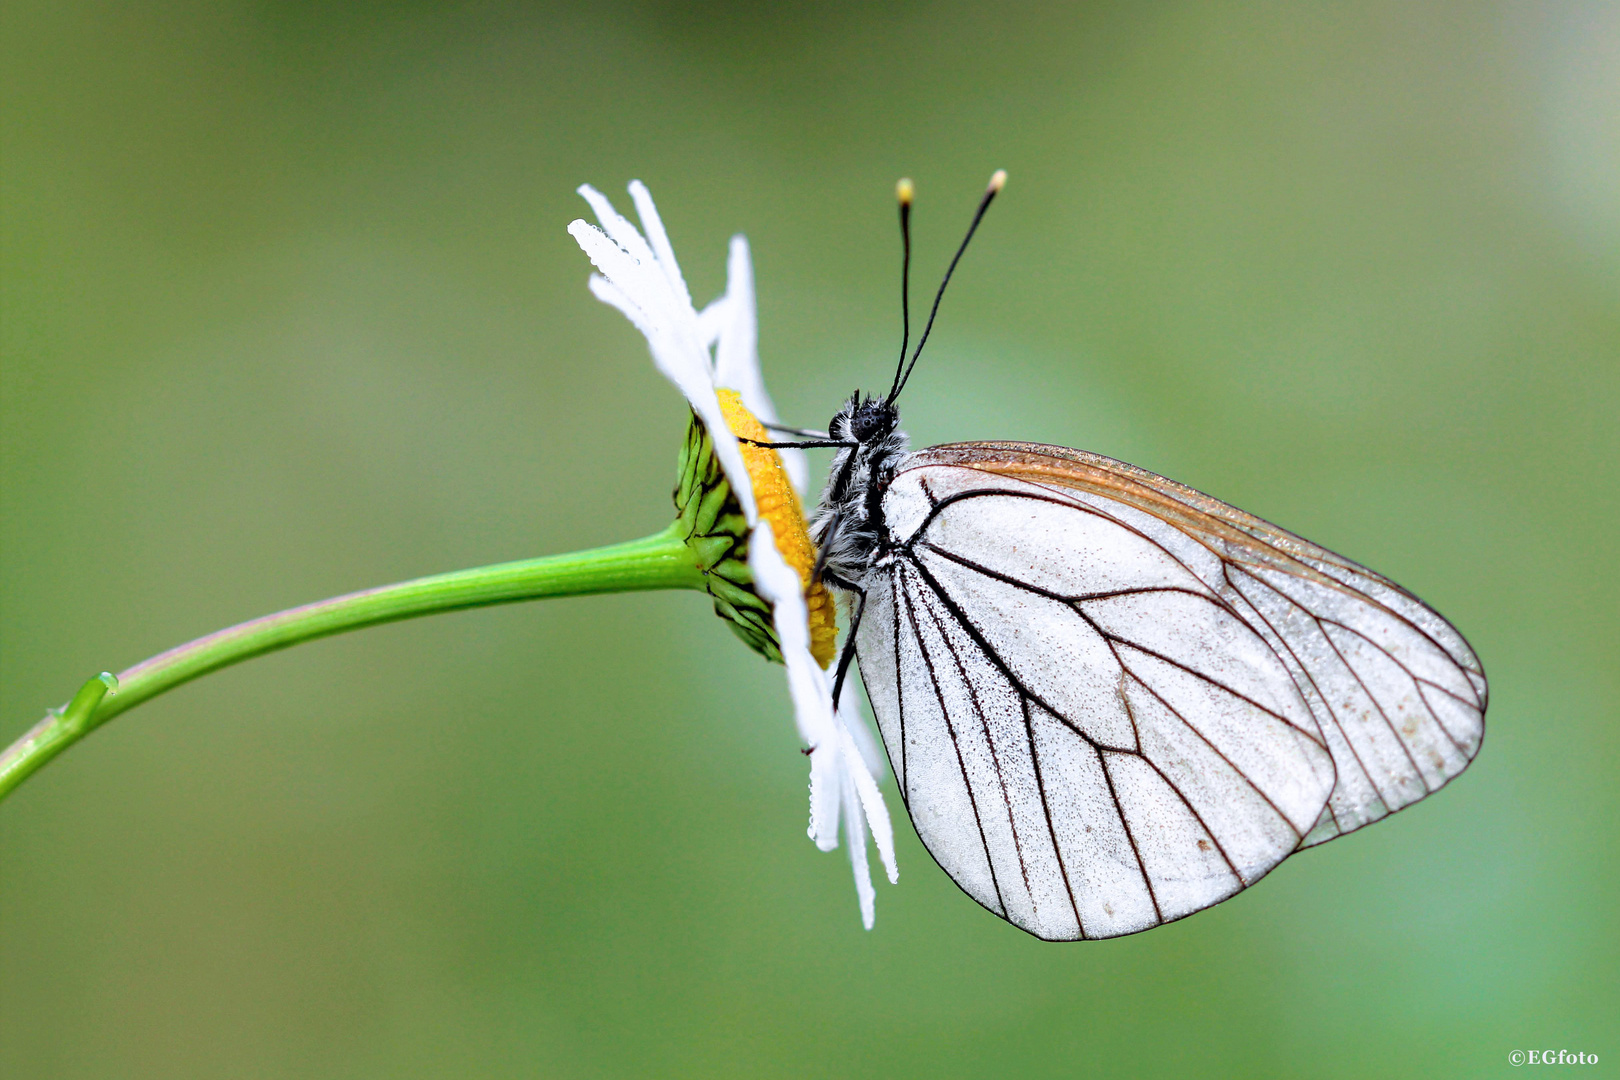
[
  {"x": 617, "y": 226},
  {"x": 857, "y": 859},
  {"x": 649, "y": 281},
  {"x": 609, "y": 293},
  {"x": 826, "y": 795},
  {"x": 712, "y": 320},
  {"x": 659, "y": 239},
  {"x": 636, "y": 284},
  {"x": 737, "y": 359},
  {"x": 607, "y": 256},
  {"x": 644, "y": 288},
  {"x": 871, "y": 801},
  {"x": 671, "y": 357},
  {"x": 807, "y": 683},
  {"x": 736, "y": 364}
]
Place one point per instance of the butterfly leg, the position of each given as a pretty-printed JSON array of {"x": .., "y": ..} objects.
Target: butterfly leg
[
  {"x": 827, "y": 540},
  {"x": 847, "y": 654}
]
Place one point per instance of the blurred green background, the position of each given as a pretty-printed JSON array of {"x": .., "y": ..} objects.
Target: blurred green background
[{"x": 289, "y": 309}]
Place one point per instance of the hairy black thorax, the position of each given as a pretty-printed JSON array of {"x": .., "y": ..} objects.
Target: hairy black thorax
[{"x": 848, "y": 527}]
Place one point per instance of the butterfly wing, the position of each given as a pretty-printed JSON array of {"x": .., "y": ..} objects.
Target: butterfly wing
[
  {"x": 1111, "y": 701},
  {"x": 1398, "y": 694}
]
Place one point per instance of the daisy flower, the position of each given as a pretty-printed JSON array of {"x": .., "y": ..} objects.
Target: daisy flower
[{"x": 712, "y": 358}]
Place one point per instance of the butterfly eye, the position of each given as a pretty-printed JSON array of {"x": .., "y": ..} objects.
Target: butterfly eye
[{"x": 872, "y": 422}]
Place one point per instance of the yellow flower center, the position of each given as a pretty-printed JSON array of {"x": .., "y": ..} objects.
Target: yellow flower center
[{"x": 779, "y": 504}]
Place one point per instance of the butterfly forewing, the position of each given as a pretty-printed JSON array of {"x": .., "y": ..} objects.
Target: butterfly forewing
[{"x": 1111, "y": 701}]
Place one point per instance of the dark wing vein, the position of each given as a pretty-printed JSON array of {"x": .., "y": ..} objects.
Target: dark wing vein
[
  {"x": 1414, "y": 676},
  {"x": 1077, "y": 598},
  {"x": 1332, "y": 713},
  {"x": 1027, "y": 695},
  {"x": 1067, "y": 504},
  {"x": 1046, "y": 808},
  {"x": 1130, "y": 834},
  {"x": 990, "y": 744},
  {"x": 994, "y": 657},
  {"x": 899, "y": 684},
  {"x": 1356, "y": 675},
  {"x": 1075, "y": 603},
  {"x": 1179, "y": 715},
  {"x": 967, "y": 783}
]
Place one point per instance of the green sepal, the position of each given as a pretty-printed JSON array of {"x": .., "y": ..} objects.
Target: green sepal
[{"x": 712, "y": 521}]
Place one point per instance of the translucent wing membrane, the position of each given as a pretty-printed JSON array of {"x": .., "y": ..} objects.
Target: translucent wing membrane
[{"x": 1111, "y": 701}]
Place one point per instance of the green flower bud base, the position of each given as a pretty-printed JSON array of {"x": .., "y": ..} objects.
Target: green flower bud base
[{"x": 717, "y": 531}]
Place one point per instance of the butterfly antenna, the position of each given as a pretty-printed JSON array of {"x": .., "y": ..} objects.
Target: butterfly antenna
[
  {"x": 903, "y": 189},
  {"x": 997, "y": 182}
]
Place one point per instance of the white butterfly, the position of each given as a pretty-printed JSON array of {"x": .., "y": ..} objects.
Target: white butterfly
[{"x": 1109, "y": 700}]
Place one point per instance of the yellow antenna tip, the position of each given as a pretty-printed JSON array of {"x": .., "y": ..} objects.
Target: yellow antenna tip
[
  {"x": 998, "y": 180},
  {"x": 904, "y": 190}
]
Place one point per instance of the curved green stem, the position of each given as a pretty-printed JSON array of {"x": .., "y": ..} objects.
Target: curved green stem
[{"x": 662, "y": 561}]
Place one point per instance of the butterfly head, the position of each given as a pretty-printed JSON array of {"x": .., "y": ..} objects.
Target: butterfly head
[{"x": 865, "y": 420}]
